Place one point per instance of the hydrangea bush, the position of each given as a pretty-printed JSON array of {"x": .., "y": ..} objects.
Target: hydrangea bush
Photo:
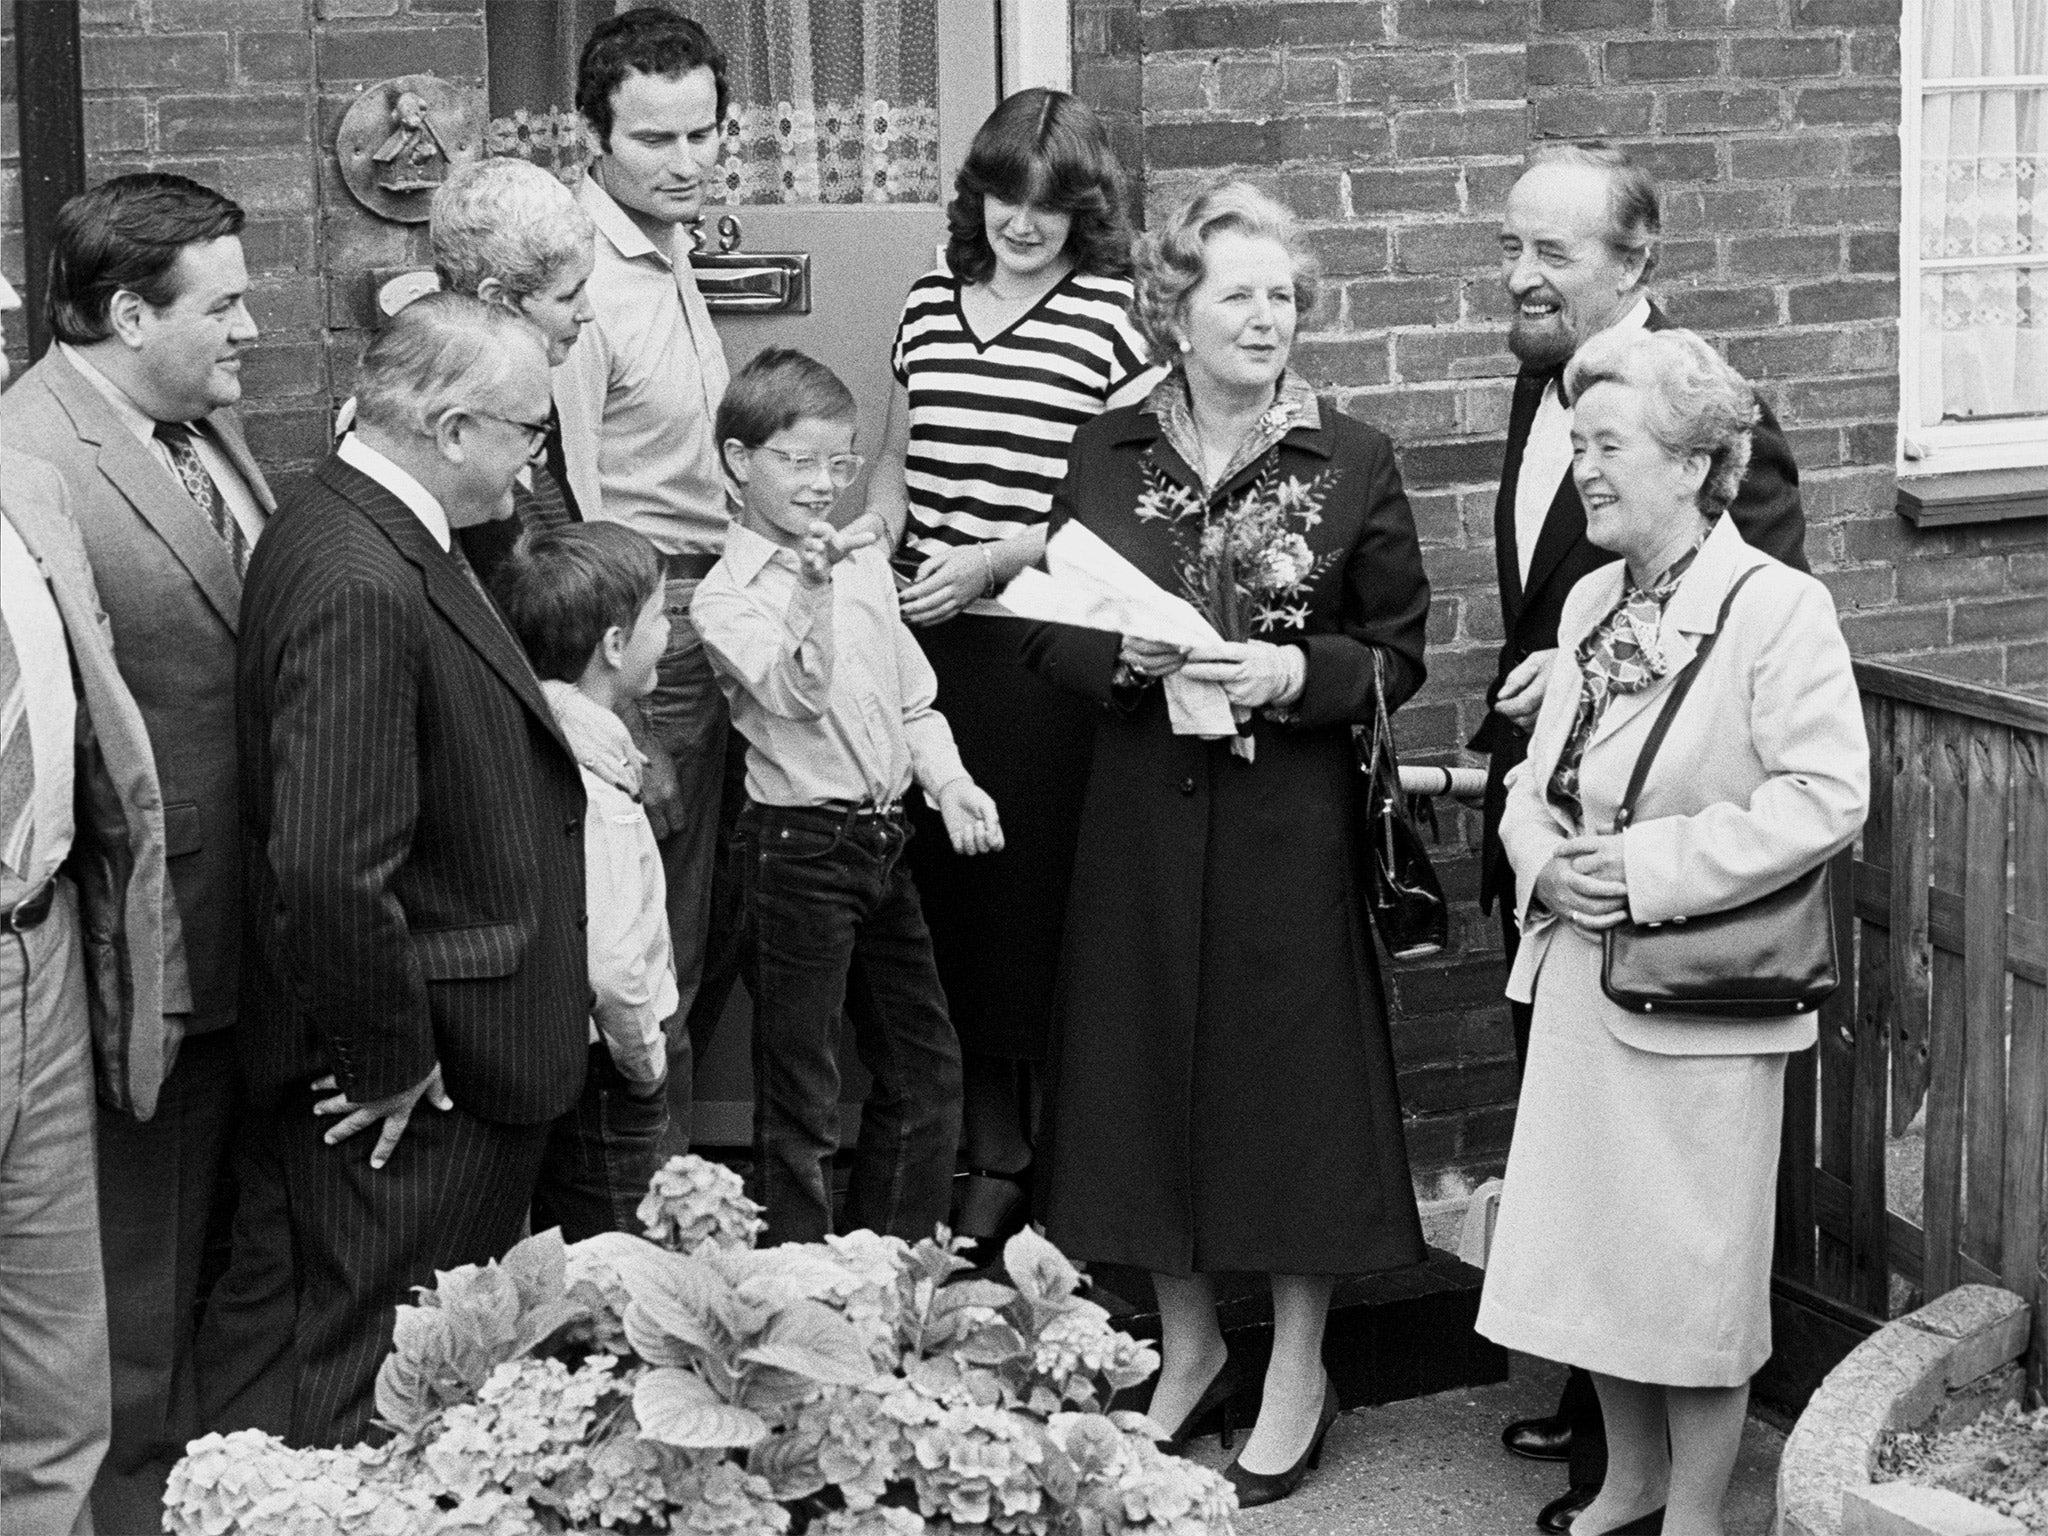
[{"x": 690, "y": 1382}]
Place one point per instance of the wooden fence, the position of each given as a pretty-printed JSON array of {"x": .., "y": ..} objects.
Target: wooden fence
[{"x": 1944, "y": 1004}]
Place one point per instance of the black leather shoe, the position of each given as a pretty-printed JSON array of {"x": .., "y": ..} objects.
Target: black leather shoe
[
  {"x": 1213, "y": 1410},
  {"x": 1557, "y": 1516},
  {"x": 1545, "y": 1439}
]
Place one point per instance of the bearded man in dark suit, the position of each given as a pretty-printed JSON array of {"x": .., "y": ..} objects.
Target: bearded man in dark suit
[
  {"x": 413, "y": 827},
  {"x": 1578, "y": 243},
  {"x": 135, "y": 407}
]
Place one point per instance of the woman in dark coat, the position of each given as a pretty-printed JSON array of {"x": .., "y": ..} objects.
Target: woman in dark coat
[{"x": 1223, "y": 1092}]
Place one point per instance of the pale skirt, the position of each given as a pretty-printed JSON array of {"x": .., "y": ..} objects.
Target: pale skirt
[{"x": 1635, "y": 1228}]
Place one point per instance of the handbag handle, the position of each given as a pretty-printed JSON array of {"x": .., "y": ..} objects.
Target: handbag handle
[{"x": 1680, "y": 687}]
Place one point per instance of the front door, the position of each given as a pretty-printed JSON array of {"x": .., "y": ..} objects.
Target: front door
[{"x": 847, "y": 124}]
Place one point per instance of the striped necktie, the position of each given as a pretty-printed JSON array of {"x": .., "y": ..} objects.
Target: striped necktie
[
  {"x": 17, "y": 761},
  {"x": 176, "y": 436}
]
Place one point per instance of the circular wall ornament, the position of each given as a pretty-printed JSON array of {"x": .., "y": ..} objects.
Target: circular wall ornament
[{"x": 400, "y": 140}]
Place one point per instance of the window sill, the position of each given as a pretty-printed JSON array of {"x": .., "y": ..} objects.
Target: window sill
[{"x": 1973, "y": 496}]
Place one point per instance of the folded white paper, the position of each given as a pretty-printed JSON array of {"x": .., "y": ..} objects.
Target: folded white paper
[{"x": 1091, "y": 586}]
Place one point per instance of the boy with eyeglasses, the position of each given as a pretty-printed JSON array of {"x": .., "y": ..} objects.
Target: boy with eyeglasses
[{"x": 834, "y": 699}]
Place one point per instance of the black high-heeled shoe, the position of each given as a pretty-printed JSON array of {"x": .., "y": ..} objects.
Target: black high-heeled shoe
[
  {"x": 1215, "y": 1403},
  {"x": 1013, "y": 1212},
  {"x": 1256, "y": 1488}
]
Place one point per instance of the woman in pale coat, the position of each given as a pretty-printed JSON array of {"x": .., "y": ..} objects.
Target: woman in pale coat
[{"x": 1635, "y": 1227}]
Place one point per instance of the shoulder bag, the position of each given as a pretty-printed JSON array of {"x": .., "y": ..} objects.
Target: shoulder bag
[
  {"x": 1402, "y": 890},
  {"x": 1767, "y": 958}
]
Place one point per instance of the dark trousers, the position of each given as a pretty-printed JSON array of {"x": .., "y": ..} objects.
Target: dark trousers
[
  {"x": 456, "y": 1191},
  {"x": 246, "y": 1368},
  {"x": 1579, "y": 1404},
  {"x": 159, "y": 1180},
  {"x": 832, "y": 919},
  {"x": 600, "y": 1156}
]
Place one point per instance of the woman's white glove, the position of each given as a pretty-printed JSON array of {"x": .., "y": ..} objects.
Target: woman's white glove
[{"x": 1254, "y": 673}]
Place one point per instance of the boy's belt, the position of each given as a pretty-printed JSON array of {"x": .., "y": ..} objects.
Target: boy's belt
[{"x": 690, "y": 565}]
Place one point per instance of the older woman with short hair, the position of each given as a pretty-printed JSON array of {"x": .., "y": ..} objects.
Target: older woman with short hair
[
  {"x": 1223, "y": 1094},
  {"x": 1635, "y": 1227},
  {"x": 507, "y": 232}
]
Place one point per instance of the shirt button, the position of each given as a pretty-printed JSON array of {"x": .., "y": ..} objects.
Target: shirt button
[{"x": 1187, "y": 786}]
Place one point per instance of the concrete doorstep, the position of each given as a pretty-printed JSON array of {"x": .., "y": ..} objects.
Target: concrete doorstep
[{"x": 1435, "y": 1465}]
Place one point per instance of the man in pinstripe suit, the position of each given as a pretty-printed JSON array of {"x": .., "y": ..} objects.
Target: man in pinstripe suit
[{"x": 413, "y": 823}]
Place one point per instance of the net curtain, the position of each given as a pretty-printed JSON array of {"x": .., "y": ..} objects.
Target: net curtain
[
  {"x": 1984, "y": 192},
  {"x": 833, "y": 101}
]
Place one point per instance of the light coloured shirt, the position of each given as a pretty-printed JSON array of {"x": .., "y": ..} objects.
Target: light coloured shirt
[
  {"x": 420, "y": 501},
  {"x": 1547, "y": 456},
  {"x": 36, "y": 629},
  {"x": 632, "y": 971},
  {"x": 825, "y": 682},
  {"x": 234, "y": 490},
  {"x": 640, "y": 389}
]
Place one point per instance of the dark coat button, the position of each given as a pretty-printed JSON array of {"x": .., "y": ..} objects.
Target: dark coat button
[
  {"x": 1187, "y": 786},
  {"x": 573, "y": 825}
]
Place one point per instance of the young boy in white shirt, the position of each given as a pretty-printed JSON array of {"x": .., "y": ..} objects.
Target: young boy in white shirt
[
  {"x": 586, "y": 602},
  {"x": 834, "y": 698}
]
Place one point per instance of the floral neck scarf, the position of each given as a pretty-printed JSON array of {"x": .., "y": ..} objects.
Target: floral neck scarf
[
  {"x": 1294, "y": 406},
  {"x": 1620, "y": 655}
]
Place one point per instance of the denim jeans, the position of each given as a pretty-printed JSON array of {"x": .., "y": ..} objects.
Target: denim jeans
[
  {"x": 832, "y": 916},
  {"x": 600, "y": 1156}
]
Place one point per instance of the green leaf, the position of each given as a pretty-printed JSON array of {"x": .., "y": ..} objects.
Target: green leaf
[
  {"x": 790, "y": 1463},
  {"x": 1039, "y": 1270},
  {"x": 536, "y": 1265},
  {"x": 974, "y": 1293},
  {"x": 992, "y": 1344},
  {"x": 680, "y": 1307},
  {"x": 540, "y": 1323},
  {"x": 669, "y": 1337},
  {"x": 679, "y": 1408},
  {"x": 811, "y": 1340}
]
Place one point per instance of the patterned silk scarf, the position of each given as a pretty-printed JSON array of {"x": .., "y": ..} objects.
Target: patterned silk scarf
[
  {"x": 1294, "y": 405},
  {"x": 1620, "y": 655}
]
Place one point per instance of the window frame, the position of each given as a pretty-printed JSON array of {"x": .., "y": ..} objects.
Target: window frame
[{"x": 1955, "y": 447}]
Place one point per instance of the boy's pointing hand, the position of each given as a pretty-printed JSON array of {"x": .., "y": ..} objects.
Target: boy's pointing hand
[{"x": 824, "y": 547}]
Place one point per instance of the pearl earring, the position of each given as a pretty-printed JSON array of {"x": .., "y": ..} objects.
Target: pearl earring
[{"x": 1186, "y": 345}]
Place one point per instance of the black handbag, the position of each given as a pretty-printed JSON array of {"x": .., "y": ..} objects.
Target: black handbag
[
  {"x": 1767, "y": 958},
  {"x": 1406, "y": 899}
]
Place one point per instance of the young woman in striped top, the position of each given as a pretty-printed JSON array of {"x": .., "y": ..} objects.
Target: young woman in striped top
[{"x": 1019, "y": 336}]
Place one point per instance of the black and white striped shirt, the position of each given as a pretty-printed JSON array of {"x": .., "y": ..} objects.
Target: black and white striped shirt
[{"x": 990, "y": 422}]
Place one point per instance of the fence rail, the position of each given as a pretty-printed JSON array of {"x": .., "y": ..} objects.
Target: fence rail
[{"x": 1942, "y": 918}]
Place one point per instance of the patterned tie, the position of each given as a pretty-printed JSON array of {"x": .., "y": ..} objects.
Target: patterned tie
[
  {"x": 17, "y": 761},
  {"x": 176, "y": 436}
]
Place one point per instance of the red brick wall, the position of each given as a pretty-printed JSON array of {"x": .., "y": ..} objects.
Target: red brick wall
[{"x": 246, "y": 95}]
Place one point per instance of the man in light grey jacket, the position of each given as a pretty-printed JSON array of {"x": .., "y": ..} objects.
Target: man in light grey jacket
[
  {"x": 133, "y": 407},
  {"x": 83, "y": 929}
]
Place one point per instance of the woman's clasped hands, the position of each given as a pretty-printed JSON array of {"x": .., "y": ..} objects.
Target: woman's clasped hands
[
  {"x": 1586, "y": 882},
  {"x": 1252, "y": 673}
]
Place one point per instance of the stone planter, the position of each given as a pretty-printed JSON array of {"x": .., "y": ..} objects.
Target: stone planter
[{"x": 1938, "y": 1368}]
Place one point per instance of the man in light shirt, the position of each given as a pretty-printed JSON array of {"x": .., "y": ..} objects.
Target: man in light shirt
[
  {"x": 135, "y": 407},
  {"x": 71, "y": 740},
  {"x": 1578, "y": 242},
  {"x": 637, "y": 397},
  {"x": 414, "y": 826}
]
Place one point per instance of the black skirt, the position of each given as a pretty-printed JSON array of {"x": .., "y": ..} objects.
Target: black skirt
[{"x": 997, "y": 919}]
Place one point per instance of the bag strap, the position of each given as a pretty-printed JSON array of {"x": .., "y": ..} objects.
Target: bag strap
[{"x": 1680, "y": 687}]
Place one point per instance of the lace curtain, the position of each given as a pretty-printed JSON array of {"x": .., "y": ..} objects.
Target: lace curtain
[
  {"x": 833, "y": 101},
  {"x": 1984, "y": 193}
]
